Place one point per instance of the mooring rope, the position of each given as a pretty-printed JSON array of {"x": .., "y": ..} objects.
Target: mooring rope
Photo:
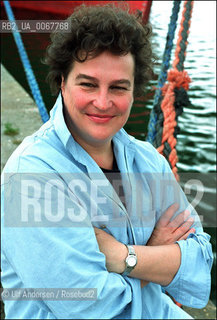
[
  {"x": 163, "y": 72},
  {"x": 174, "y": 96},
  {"x": 27, "y": 66},
  {"x": 175, "y": 92}
]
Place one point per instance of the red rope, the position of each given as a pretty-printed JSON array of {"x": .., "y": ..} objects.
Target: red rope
[{"x": 176, "y": 79}]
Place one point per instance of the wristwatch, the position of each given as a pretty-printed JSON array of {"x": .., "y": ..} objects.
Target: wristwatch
[{"x": 131, "y": 261}]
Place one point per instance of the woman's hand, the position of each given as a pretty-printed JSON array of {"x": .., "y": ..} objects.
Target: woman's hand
[{"x": 168, "y": 232}]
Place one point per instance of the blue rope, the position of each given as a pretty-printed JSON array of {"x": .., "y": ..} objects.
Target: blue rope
[
  {"x": 27, "y": 66},
  {"x": 163, "y": 73}
]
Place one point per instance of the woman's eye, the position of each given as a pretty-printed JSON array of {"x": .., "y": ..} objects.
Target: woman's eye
[
  {"x": 118, "y": 88},
  {"x": 88, "y": 84}
]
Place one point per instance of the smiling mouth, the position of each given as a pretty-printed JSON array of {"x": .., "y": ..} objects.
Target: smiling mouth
[{"x": 99, "y": 118}]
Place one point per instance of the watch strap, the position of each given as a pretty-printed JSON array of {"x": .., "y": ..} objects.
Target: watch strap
[{"x": 131, "y": 252}]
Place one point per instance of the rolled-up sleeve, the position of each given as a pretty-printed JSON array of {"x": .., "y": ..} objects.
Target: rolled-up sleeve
[{"x": 192, "y": 284}]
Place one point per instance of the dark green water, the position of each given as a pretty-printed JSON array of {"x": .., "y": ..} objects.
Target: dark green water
[{"x": 196, "y": 145}]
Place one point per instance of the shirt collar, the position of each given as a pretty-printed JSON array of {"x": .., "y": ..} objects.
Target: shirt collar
[{"x": 57, "y": 118}]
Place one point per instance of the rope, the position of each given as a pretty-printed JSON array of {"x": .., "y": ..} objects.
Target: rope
[
  {"x": 27, "y": 66},
  {"x": 163, "y": 72},
  {"x": 180, "y": 52},
  {"x": 174, "y": 93}
]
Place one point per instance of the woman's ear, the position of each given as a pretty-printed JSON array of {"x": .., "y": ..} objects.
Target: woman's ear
[{"x": 62, "y": 84}]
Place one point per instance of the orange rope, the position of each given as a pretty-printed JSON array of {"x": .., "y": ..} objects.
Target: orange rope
[
  {"x": 176, "y": 79},
  {"x": 178, "y": 47}
]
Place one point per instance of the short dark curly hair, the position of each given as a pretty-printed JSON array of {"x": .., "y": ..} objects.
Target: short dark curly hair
[{"x": 94, "y": 29}]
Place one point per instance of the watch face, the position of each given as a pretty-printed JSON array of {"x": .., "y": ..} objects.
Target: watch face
[{"x": 131, "y": 261}]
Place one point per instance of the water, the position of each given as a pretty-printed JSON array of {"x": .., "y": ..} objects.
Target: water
[
  {"x": 196, "y": 145},
  {"x": 197, "y": 141}
]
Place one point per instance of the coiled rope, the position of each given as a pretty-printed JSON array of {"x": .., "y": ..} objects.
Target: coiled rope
[
  {"x": 27, "y": 66},
  {"x": 174, "y": 95},
  {"x": 163, "y": 72}
]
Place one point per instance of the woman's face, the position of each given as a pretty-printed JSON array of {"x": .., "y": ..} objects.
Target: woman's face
[{"x": 98, "y": 95}]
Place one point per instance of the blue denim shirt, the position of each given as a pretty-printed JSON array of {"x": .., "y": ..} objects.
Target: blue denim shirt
[{"x": 48, "y": 240}]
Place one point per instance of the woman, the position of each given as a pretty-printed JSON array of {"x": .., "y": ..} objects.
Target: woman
[{"x": 130, "y": 239}]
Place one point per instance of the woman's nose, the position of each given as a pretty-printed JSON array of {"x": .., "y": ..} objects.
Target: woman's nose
[{"x": 102, "y": 100}]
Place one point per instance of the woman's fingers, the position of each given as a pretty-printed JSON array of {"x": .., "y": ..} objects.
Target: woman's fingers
[
  {"x": 179, "y": 220},
  {"x": 184, "y": 237},
  {"x": 184, "y": 230},
  {"x": 167, "y": 215}
]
